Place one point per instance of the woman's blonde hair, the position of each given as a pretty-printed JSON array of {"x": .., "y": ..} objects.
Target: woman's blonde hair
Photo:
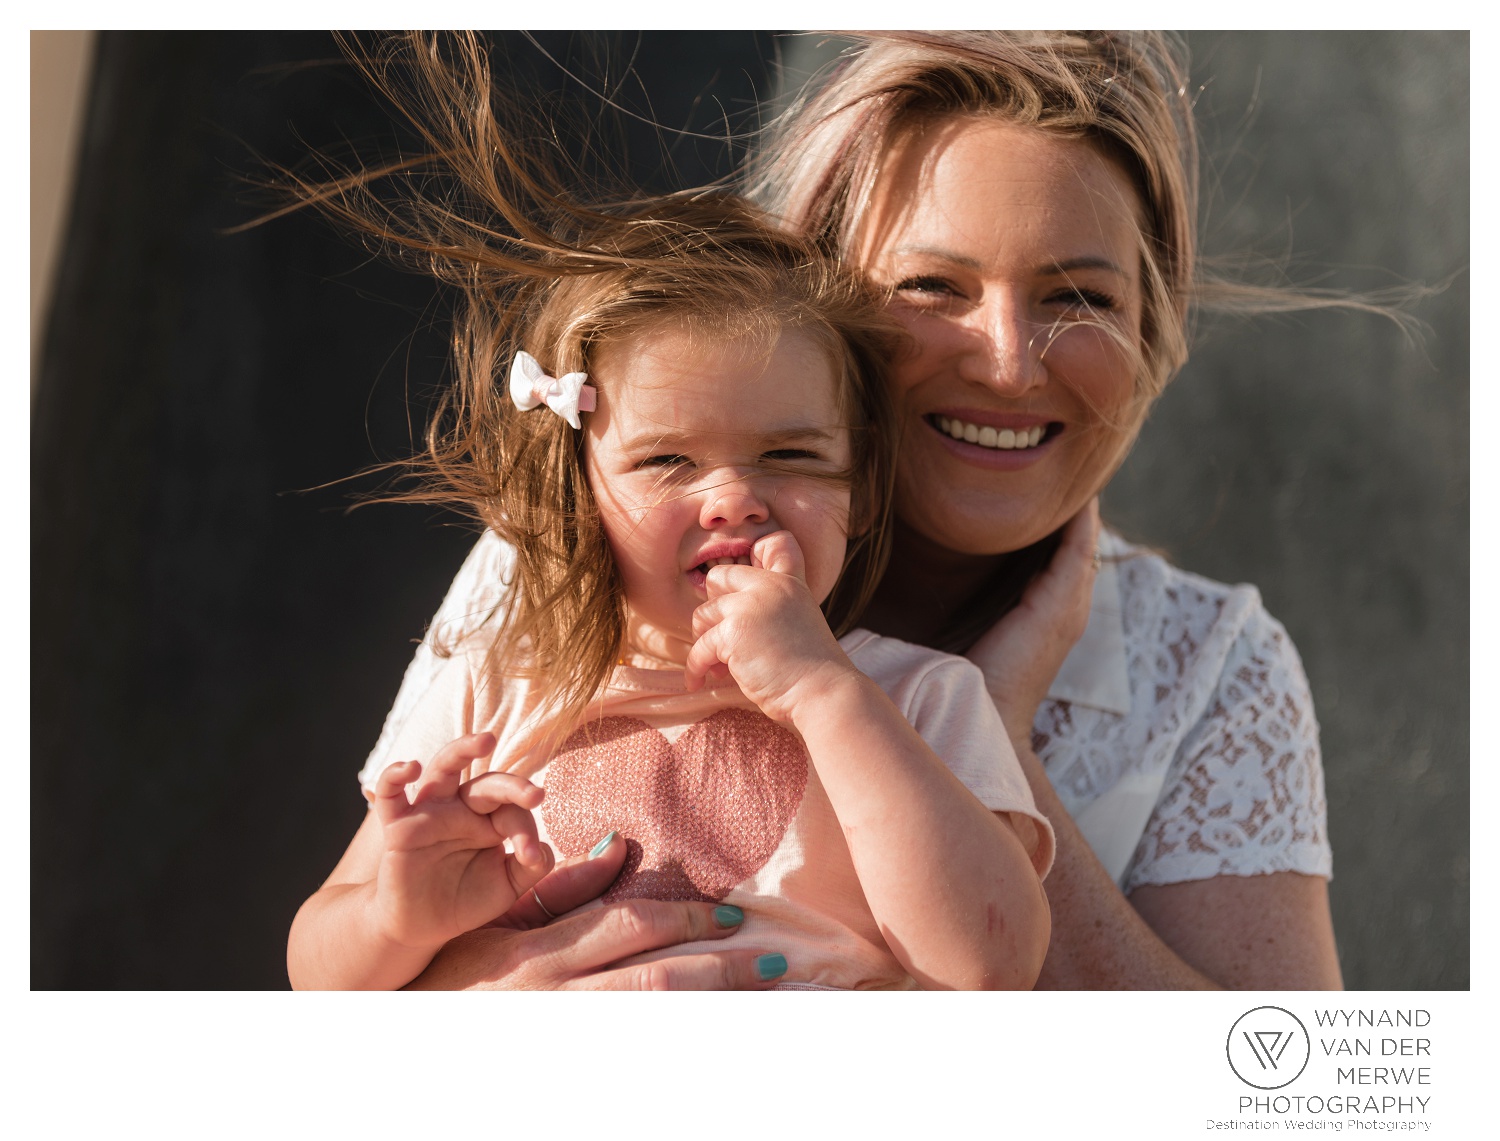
[
  {"x": 1124, "y": 92},
  {"x": 484, "y": 212}
]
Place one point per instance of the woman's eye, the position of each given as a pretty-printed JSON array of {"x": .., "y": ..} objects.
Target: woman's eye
[
  {"x": 1091, "y": 299},
  {"x": 926, "y": 284},
  {"x": 662, "y": 461}
]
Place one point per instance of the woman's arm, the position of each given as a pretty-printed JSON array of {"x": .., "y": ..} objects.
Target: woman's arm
[
  {"x": 1265, "y": 932},
  {"x": 477, "y": 590},
  {"x": 1254, "y": 932}
]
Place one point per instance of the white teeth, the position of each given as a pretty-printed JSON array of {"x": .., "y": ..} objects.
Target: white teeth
[
  {"x": 1005, "y": 439},
  {"x": 738, "y": 560}
]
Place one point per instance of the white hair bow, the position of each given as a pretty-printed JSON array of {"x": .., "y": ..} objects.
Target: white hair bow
[{"x": 566, "y": 395}]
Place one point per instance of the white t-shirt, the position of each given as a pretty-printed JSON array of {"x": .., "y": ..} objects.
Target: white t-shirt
[
  {"x": 1179, "y": 733},
  {"x": 718, "y": 802}
]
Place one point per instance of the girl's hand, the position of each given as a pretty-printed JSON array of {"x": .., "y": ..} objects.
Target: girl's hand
[
  {"x": 443, "y": 868},
  {"x": 762, "y": 626},
  {"x": 1021, "y": 654}
]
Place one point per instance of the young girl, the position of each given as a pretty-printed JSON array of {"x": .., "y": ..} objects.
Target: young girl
[{"x": 676, "y": 417}]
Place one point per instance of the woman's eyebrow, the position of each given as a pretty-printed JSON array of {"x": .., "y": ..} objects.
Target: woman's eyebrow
[
  {"x": 1050, "y": 269},
  {"x": 938, "y": 252},
  {"x": 1070, "y": 264}
]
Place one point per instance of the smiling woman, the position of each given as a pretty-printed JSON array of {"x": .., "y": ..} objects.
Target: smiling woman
[{"x": 1013, "y": 259}]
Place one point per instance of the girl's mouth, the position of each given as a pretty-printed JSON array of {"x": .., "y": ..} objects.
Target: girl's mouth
[
  {"x": 699, "y": 573},
  {"x": 999, "y": 439}
]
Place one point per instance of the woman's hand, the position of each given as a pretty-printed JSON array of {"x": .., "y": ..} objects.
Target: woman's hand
[
  {"x": 524, "y": 951},
  {"x": 1021, "y": 654}
]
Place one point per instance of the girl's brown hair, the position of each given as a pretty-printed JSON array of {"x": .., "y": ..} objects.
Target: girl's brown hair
[{"x": 534, "y": 269}]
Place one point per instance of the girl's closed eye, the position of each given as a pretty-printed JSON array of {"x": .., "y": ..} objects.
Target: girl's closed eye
[
  {"x": 663, "y": 460},
  {"x": 784, "y": 455}
]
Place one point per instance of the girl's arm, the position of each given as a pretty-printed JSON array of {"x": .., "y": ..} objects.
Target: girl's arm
[
  {"x": 950, "y": 883},
  {"x": 334, "y": 940}
]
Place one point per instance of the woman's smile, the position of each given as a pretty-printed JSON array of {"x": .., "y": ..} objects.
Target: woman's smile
[{"x": 995, "y": 440}]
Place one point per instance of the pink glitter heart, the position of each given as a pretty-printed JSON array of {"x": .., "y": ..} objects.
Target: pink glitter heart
[{"x": 699, "y": 815}]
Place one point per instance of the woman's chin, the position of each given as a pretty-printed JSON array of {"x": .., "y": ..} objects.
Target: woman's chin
[
  {"x": 973, "y": 521},
  {"x": 935, "y": 535}
]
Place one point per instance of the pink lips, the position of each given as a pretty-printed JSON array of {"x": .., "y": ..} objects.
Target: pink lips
[{"x": 722, "y": 549}]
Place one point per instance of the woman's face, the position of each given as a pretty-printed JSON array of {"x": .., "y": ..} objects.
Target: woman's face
[{"x": 1014, "y": 258}]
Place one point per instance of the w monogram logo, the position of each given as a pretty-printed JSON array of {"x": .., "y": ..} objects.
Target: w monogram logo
[{"x": 1268, "y": 1047}]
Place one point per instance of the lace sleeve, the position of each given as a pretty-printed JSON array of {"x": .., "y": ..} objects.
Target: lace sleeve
[
  {"x": 1244, "y": 795},
  {"x": 477, "y": 589}
]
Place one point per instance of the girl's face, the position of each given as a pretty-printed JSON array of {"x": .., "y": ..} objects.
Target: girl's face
[
  {"x": 696, "y": 451},
  {"x": 1001, "y": 243}
]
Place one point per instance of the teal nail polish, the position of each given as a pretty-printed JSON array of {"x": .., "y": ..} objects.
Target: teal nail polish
[
  {"x": 598, "y": 849},
  {"x": 728, "y": 915},
  {"x": 770, "y": 967}
]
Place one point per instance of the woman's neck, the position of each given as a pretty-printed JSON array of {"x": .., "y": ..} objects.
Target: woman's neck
[{"x": 926, "y": 587}]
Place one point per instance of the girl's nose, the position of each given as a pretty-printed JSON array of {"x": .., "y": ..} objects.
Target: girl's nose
[
  {"x": 731, "y": 501},
  {"x": 1006, "y": 351}
]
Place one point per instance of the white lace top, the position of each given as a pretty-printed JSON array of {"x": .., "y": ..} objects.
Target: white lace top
[{"x": 1179, "y": 732}]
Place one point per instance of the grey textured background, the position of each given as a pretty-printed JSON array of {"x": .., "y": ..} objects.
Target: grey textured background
[
  {"x": 1326, "y": 459},
  {"x": 219, "y": 651}
]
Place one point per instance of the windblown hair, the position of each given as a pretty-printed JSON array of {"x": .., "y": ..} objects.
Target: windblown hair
[
  {"x": 1126, "y": 93},
  {"x": 485, "y": 213}
]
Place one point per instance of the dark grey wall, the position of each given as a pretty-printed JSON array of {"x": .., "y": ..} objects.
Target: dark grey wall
[
  {"x": 214, "y": 652},
  {"x": 1325, "y": 458}
]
